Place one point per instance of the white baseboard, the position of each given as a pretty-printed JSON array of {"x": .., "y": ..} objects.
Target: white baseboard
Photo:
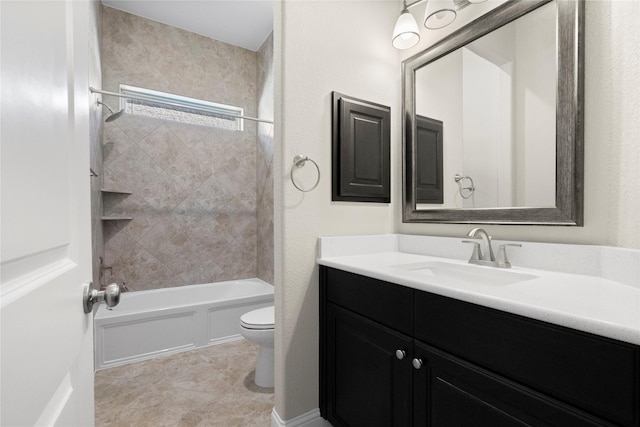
[{"x": 310, "y": 419}]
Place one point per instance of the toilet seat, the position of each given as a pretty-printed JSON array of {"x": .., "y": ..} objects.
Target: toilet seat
[{"x": 262, "y": 318}]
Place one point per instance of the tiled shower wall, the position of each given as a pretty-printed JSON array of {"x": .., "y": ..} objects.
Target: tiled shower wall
[{"x": 194, "y": 197}]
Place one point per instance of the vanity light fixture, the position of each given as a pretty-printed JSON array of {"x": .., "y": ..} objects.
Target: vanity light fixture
[
  {"x": 438, "y": 14},
  {"x": 406, "y": 33}
]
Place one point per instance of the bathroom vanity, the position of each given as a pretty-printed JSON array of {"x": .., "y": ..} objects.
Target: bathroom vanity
[{"x": 424, "y": 348}]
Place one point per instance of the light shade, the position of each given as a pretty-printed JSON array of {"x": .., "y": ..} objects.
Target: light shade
[
  {"x": 406, "y": 33},
  {"x": 439, "y": 13}
]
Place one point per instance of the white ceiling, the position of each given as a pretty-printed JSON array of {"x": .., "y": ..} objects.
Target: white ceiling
[{"x": 244, "y": 23}]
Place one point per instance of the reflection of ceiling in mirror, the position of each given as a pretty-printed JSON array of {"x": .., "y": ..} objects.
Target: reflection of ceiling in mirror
[{"x": 498, "y": 47}]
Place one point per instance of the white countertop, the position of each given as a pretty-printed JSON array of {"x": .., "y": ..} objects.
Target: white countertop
[{"x": 584, "y": 302}]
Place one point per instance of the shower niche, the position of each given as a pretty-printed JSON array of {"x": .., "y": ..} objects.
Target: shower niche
[{"x": 109, "y": 194}]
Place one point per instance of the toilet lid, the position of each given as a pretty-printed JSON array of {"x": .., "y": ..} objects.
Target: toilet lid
[{"x": 261, "y": 318}]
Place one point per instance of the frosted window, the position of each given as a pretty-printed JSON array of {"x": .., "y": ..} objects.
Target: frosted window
[{"x": 167, "y": 106}]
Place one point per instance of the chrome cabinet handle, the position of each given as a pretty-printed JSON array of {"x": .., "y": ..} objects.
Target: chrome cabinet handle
[
  {"x": 111, "y": 297},
  {"x": 400, "y": 354},
  {"x": 417, "y": 363}
]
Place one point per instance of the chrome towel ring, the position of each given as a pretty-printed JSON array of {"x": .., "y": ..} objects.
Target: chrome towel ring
[
  {"x": 299, "y": 162},
  {"x": 469, "y": 189}
]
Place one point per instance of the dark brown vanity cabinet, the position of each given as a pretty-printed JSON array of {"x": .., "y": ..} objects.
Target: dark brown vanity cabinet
[{"x": 394, "y": 356}]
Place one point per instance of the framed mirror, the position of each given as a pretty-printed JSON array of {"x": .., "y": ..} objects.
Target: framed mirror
[{"x": 493, "y": 119}]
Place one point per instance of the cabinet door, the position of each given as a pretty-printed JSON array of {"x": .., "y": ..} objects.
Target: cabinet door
[
  {"x": 449, "y": 392},
  {"x": 361, "y": 150},
  {"x": 366, "y": 384}
]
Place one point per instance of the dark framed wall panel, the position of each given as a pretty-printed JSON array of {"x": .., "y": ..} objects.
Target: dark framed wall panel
[
  {"x": 360, "y": 150},
  {"x": 429, "y": 161}
]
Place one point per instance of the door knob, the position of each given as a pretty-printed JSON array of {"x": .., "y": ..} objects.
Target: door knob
[
  {"x": 400, "y": 354},
  {"x": 417, "y": 363},
  {"x": 111, "y": 297}
]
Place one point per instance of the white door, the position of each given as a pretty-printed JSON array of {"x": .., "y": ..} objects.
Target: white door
[{"x": 46, "y": 338}]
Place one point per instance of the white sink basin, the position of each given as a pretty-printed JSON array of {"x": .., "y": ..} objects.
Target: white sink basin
[{"x": 467, "y": 273}]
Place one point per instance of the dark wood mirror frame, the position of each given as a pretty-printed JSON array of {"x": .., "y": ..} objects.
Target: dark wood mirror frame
[{"x": 569, "y": 120}]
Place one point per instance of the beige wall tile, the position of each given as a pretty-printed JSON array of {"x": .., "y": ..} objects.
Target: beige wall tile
[
  {"x": 162, "y": 146},
  {"x": 163, "y": 193},
  {"x": 134, "y": 168}
]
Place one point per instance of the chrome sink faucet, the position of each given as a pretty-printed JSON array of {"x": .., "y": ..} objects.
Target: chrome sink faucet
[{"x": 486, "y": 256}]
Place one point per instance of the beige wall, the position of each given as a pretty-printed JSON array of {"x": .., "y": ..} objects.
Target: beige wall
[
  {"x": 322, "y": 46},
  {"x": 194, "y": 187},
  {"x": 612, "y": 129}
]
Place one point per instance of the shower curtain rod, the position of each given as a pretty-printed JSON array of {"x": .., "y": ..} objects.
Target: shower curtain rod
[{"x": 140, "y": 98}]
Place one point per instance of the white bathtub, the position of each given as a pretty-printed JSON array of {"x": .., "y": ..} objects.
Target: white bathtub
[{"x": 148, "y": 324}]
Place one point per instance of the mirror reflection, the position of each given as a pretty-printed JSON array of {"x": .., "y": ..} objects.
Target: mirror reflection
[{"x": 485, "y": 117}]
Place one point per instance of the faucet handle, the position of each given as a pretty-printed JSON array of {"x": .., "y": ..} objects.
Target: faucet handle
[
  {"x": 501, "y": 259},
  {"x": 477, "y": 252}
]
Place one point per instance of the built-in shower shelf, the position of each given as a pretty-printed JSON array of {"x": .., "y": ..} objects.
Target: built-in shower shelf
[
  {"x": 110, "y": 190},
  {"x": 116, "y": 218}
]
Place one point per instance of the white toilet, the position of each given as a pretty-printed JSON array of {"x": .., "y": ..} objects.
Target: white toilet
[{"x": 257, "y": 326}]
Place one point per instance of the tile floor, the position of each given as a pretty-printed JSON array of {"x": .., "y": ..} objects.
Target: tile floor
[{"x": 212, "y": 386}]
